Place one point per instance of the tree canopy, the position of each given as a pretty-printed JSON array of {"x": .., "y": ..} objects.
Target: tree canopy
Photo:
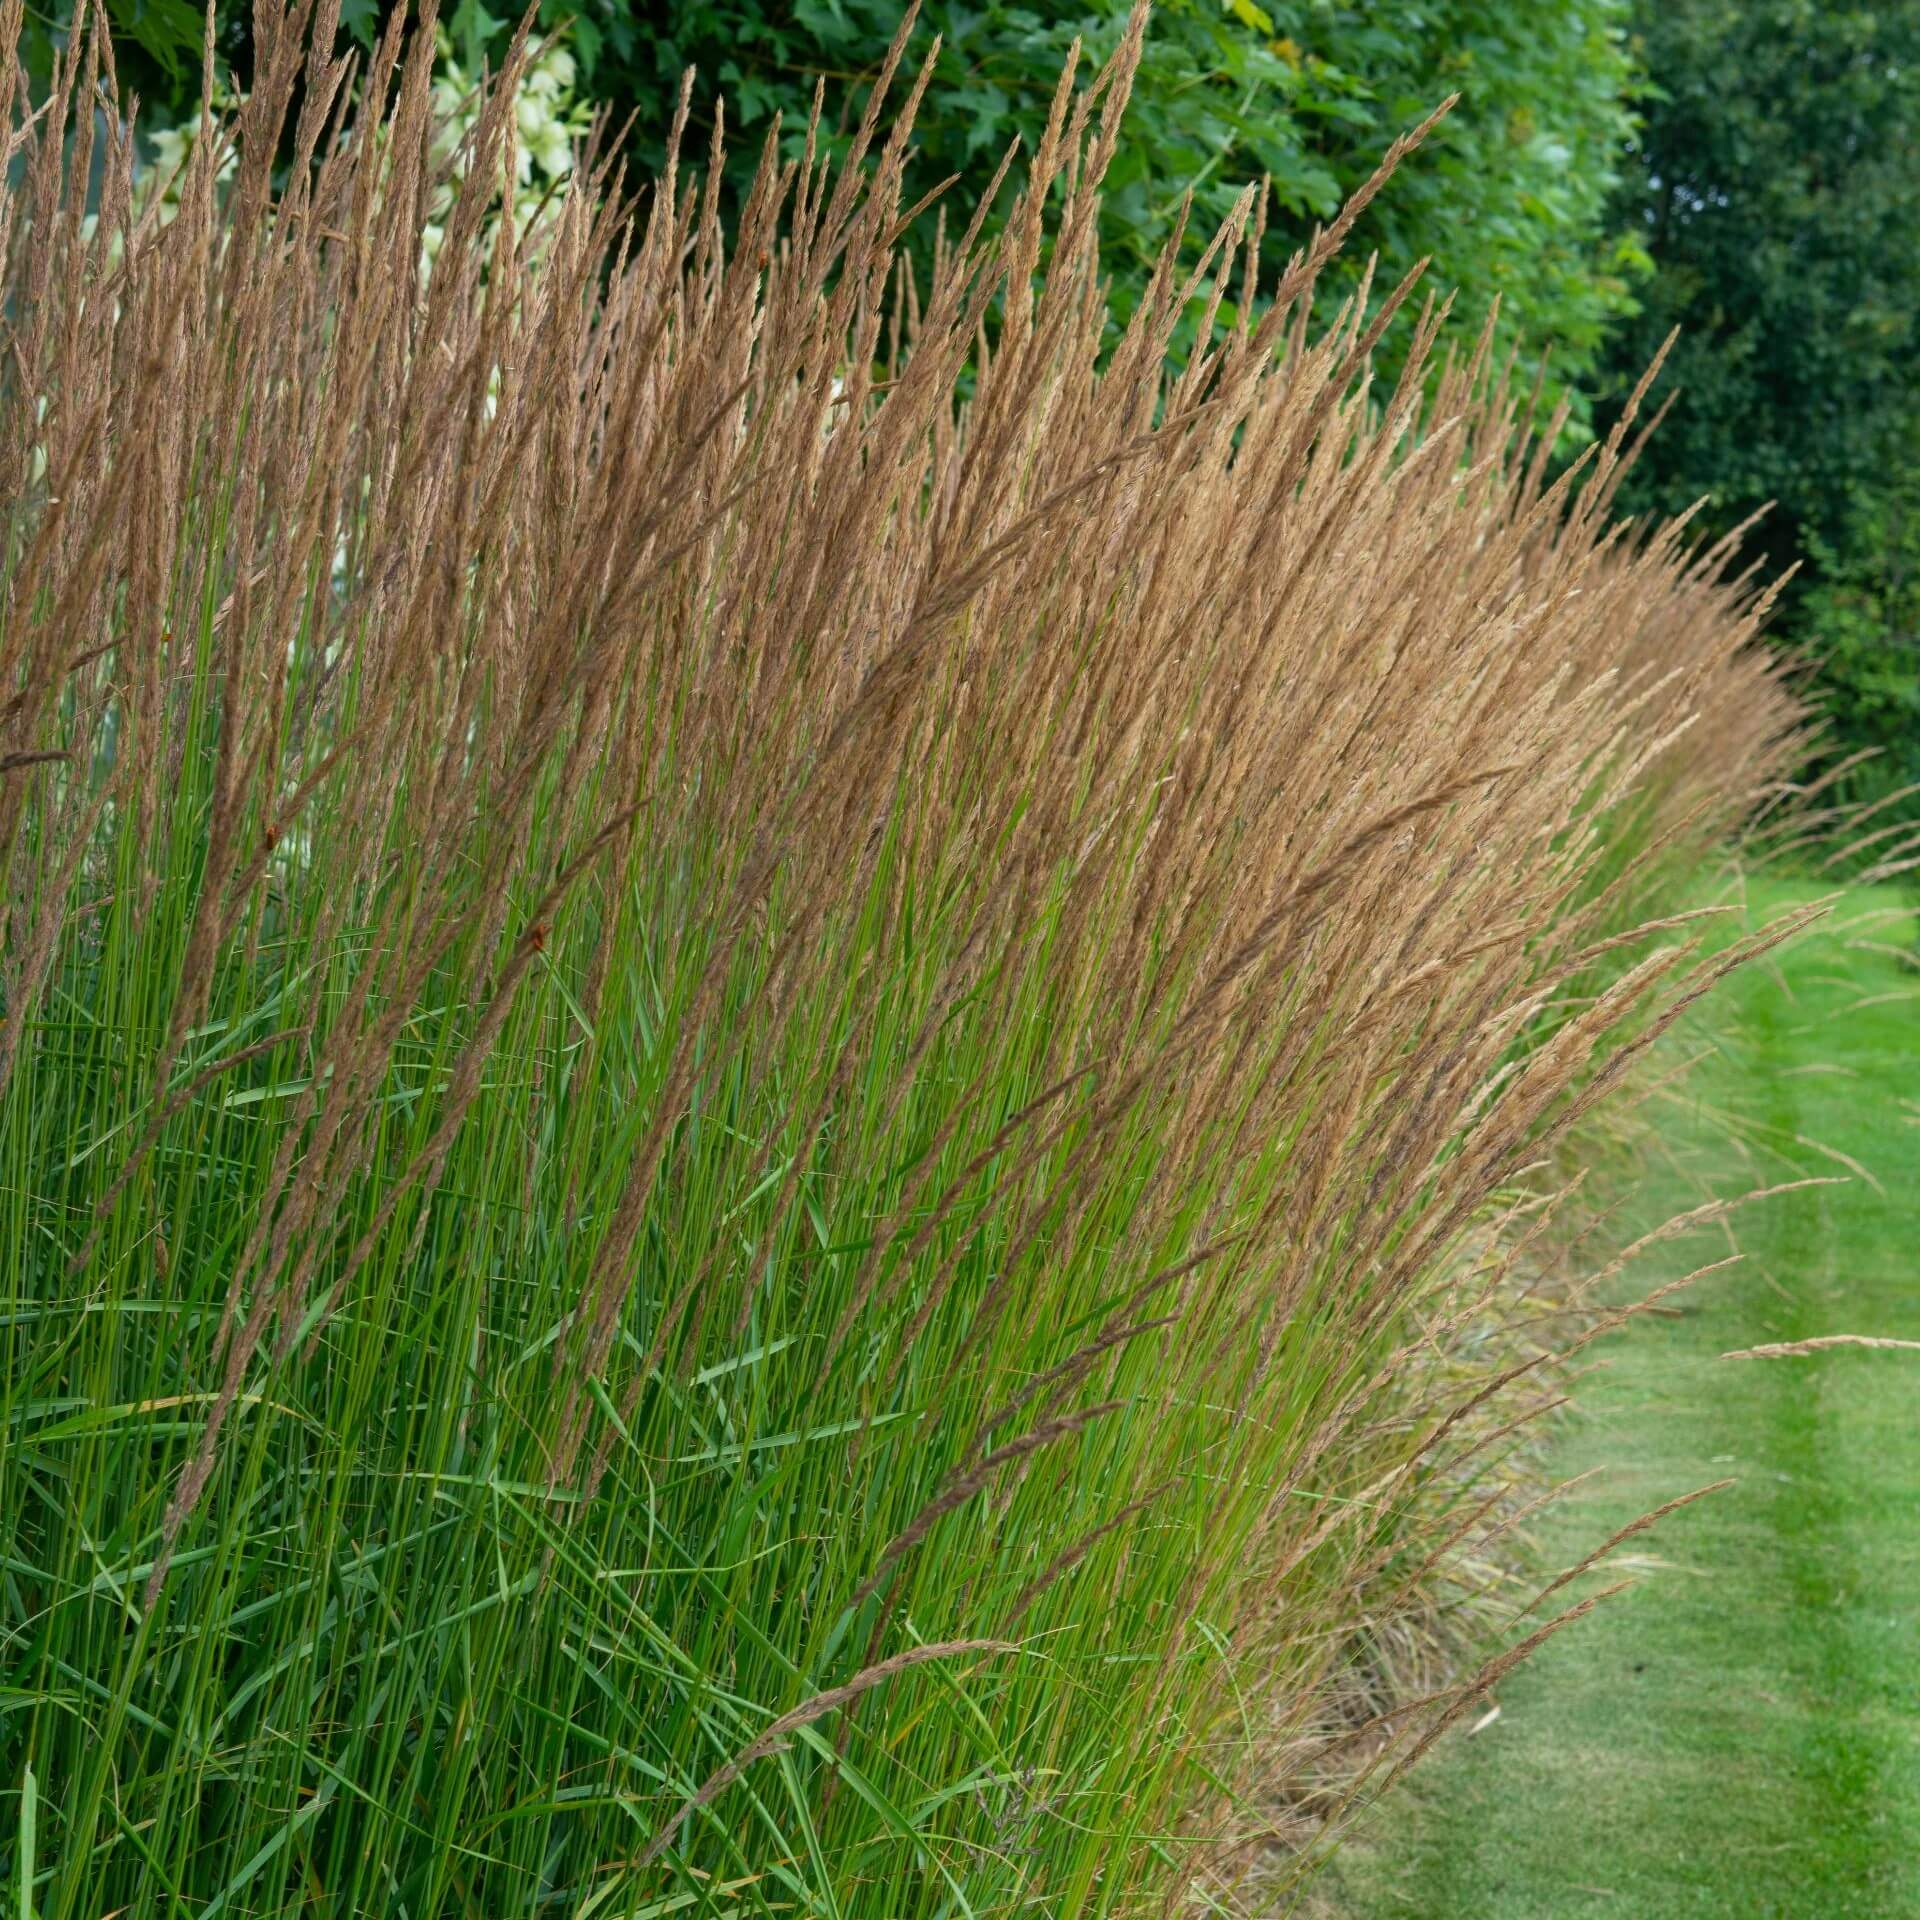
[{"x": 1774, "y": 184}]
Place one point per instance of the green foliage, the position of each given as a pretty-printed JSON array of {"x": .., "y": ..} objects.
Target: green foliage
[
  {"x": 1775, "y": 185},
  {"x": 1861, "y": 621},
  {"x": 1508, "y": 198},
  {"x": 157, "y": 46}
]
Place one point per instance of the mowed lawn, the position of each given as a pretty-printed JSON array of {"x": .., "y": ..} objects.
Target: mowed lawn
[{"x": 1739, "y": 1734}]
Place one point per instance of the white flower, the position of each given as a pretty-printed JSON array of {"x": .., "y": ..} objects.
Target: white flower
[{"x": 548, "y": 119}]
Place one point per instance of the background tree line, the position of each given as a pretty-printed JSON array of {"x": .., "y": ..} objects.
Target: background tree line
[{"x": 1742, "y": 169}]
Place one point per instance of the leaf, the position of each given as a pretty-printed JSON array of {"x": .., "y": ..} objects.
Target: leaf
[
  {"x": 29, "y": 1822},
  {"x": 169, "y": 31},
  {"x": 302, "y": 1818}
]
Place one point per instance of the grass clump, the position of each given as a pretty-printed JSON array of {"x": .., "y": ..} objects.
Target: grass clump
[{"x": 726, "y": 1085}]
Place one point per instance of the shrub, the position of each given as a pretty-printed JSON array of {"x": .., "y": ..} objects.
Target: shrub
[
  {"x": 1511, "y": 202},
  {"x": 1860, "y": 623},
  {"x": 1773, "y": 185},
  {"x": 727, "y": 1091}
]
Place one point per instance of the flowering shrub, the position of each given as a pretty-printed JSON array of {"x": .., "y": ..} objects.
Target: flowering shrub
[{"x": 548, "y": 119}]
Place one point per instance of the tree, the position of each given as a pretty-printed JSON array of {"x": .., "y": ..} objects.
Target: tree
[
  {"x": 1774, "y": 182},
  {"x": 1861, "y": 619}
]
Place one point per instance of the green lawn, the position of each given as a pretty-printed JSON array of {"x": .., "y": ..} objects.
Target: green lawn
[{"x": 1739, "y": 1734}]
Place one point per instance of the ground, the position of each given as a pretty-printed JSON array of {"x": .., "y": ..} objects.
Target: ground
[{"x": 1739, "y": 1734}]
